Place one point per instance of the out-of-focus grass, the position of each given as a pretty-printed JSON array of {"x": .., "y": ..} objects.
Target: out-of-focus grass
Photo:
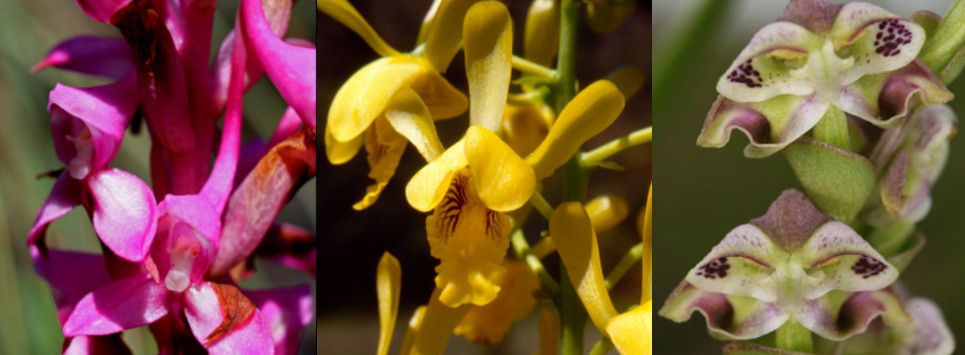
[
  {"x": 28, "y": 29},
  {"x": 707, "y": 192}
]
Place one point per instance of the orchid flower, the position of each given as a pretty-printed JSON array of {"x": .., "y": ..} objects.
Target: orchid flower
[
  {"x": 820, "y": 62},
  {"x": 793, "y": 264},
  {"x": 395, "y": 98},
  {"x": 488, "y": 324}
]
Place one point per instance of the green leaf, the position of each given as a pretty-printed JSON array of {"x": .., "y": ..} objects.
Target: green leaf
[{"x": 838, "y": 181}]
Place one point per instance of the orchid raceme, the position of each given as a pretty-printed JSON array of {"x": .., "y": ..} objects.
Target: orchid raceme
[
  {"x": 522, "y": 129},
  {"x": 813, "y": 67},
  {"x": 157, "y": 267}
]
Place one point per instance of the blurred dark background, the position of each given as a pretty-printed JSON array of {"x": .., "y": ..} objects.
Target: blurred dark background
[
  {"x": 28, "y": 29},
  {"x": 707, "y": 192},
  {"x": 352, "y": 242}
]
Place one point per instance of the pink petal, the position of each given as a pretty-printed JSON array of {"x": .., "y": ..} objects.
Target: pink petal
[
  {"x": 757, "y": 318},
  {"x": 290, "y": 67},
  {"x": 287, "y": 311},
  {"x": 288, "y": 125},
  {"x": 221, "y": 180},
  {"x": 188, "y": 232},
  {"x": 103, "y": 111},
  {"x": 261, "y": 196},
  {"x": 60, "y": 268},
  {"x": 123, "y": 304},
  {"x": 94, "y": 55},
  {"x": 96, "y": 345},
  {"x": 63, "y": 197},
  {"x": 767, "y": 135},
  {"x": 102, "y": 10},
  {"x": 225, "y": 321},
  {"x": 838, "y": 318},
  {"x": 125, "y": 213}
]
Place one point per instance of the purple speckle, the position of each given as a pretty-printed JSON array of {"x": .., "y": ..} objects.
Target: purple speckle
[
  {"x": 897, "y": 36},
  {"x": 714, "y": 269},
  {"x": 746, "y": 74},
  {"x": 868, "y": 267}
]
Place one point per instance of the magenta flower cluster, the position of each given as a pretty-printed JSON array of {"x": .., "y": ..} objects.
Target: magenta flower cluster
[{"x": 175, "y": 250}]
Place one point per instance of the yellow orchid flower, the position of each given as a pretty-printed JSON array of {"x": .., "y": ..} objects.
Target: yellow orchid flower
[
  {"x": 489, "y": 323},
  {"x": 394, "y": 97}
]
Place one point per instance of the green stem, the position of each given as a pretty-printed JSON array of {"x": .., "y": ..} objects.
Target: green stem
[
  {"x": 599, "y": 154},
  {"x": 521, "y": 247},
  {"x": 629, "y": 260},
  {"x": 602, "y": 347},
  {"x": 793, "y": 336},
  {"x": 572, "y": 315},
  {"x": 833, "y": 129},
  {"x": 533, "y": 68}
]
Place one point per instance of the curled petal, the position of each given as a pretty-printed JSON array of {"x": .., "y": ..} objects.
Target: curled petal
[
  {"x": 542, "y": 31},
  {"x": 63, "y": 197},
  {"x": 844, "y": 261},
  {"x": 488, "y": 324},
  {"x": 338, "y": 152},
  {"x": 443, "y": 36},
  {"x": 502, "y": 179},
  {"x": 488, "y": 41},
  {"x": 436, "y": 326},
  {"x": 225, "y": 321},
  {"x": 728, "y": 317},
  {"x": 840, "y": 315},
  {"x": 632, "y": 332},
  {"x": 761, "y": 70},
  {"x": 428, "y": 186},
  {"x": 85, "y": 345},
  {"x": 388, "y": 282},
  {"x": 120, "y": 305},
  {"x": 290, "y": 67},
  {"x": 606, "y": 211},
  {"x": 88, "y": 123},
  {"x": 576, "y": 242},
  {"x": 770, "y": 125},
  {"x": 287, "y": 312},
  {"x": 410, "y": 117},
  {"x": 932, "y": 335},
  {"x": 125, "y": 213},
  {"x": 589, "y": 113},
  {"x": 343, "y": 12},
  {"x": 94, "y": 55},
  {"x": 745, "y": 257},
  {"x": 258, "y": 200},
  {"x": 884, "y": 100}
]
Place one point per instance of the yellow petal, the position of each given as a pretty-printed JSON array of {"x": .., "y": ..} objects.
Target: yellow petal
[
  {"x": 576, "y": 243},
  {"x": 628, "y": 79},
  {"x": 488, "y": 41},
  {"x": 428, "y": 21},
  {"x": 542, "y": 31},
  {"x": 443, "y": 100},
  {"x": 384, "y": 148},
  {"x": 632, "y": 332},
  {"x": 589, "y": 113},
  {"x": 549, "y": 332},
  {"x": 415, "y": 322},
  {"x": 605, "y": 16},
  {"x": 502, "y": 179},
  {"x": 646, "y": 230},
  {"x": 526, "y": 125},
  {"x": 366, "y": 94},
  {"x": 606, "y": 211},
  {"x": 343, "y": 12},
  {"x": 340, "y": 152},
  {"x": 444, "y": 35},
  {"x": 410, "y": 117},
  {"x": 488, "y": 324},
  {"x": 430, "y": 183},
  {"x": 436, "y": 327},
  {"x": 470, "y": 242},
  {"x": 388, "y": 283}
]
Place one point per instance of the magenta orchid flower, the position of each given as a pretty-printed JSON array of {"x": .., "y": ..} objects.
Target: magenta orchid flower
[
  {"x": 794, "y": 264},
  {"x": 818, "y": 63}
]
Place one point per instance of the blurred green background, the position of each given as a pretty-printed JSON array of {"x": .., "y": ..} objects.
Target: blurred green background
[
  {"x": 28, "y": 29},
  {"x": 351, "y": 242},
  {"x": 707, "y": 192}
]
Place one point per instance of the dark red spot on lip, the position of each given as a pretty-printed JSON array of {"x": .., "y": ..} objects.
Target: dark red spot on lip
[
  {"x": 868, "y": 267},
  {"x": 714, "y": 269},
  {"x": 891, "y": 36},
  {"x": 747, "y": 75}
]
